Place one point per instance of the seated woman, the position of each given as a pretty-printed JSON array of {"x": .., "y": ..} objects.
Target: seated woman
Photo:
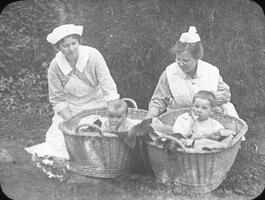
[
  {"x": 78, "y": 79},
  {"x": 197, "y": 129},
  {"x": 186, "y": 76}
]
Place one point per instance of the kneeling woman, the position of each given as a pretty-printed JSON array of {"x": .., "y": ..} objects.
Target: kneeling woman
[
  {"x": 189, "y": 74},
  {"x": 78, "y": 79}
]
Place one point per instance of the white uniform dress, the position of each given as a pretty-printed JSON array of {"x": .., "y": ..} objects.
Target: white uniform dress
[
  {"x": 88, "y": 86},
  {"x": 176, "y": 90},
  {"x": 184, "y": 89}
]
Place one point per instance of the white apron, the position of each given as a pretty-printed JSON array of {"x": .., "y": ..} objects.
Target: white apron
[
  {"x": 184, "y": 89},
  {"x": 80, "y": 96}
]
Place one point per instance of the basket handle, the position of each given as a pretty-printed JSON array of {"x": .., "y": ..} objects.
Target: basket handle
[
  {"x": 89, "y": 125},
  {"x": 179, "y": 143},
  {"x": 131, "y": 101}
]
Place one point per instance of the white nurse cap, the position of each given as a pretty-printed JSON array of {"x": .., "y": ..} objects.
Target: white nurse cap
[
  {"x": 191, "y": 36},
  {"x": 62, "y": 31}
]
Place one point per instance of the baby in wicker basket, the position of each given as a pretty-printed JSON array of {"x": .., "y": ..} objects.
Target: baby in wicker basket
[
  {"x": 197, "y": 129},
  {"x": 117, "y": 117},
  {"x": 115, "y": 122},
  {"x": 119, "y": 123}
]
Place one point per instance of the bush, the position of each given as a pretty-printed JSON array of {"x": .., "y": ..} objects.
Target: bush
[
  {"x": 29, "y": 92},
  {"x": 135, "y": 38}
]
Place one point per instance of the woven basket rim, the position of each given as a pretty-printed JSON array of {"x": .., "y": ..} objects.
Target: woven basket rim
[
  {"x": 237, "y": 139},
  {"x": 71, "y": 132}
]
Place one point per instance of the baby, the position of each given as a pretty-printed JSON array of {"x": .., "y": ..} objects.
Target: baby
[
  {"x": 117, "y": 117},
  {"x": 116, "y": 122},
  {"x": 197, "y": 126}
]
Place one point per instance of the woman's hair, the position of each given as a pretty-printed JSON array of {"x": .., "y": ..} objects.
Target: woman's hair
[
  {"x": 195, "y": 49},
  {"x": 204, "y": 94},
  {"x": 75, "y": 36},
  {"x": 118, "y": 104}
]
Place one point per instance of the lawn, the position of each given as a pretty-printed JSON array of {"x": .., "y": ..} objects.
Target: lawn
[{"x": 21, "y": 179}]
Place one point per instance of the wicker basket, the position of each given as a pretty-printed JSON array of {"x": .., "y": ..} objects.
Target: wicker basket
[
  {"x": 97, "y": 156},
  {"x": 195, "y": 172}
]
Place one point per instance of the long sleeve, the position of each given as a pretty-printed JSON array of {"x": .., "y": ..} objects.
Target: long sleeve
[
  {"x": 223, "y": 94},
  {"x": 104, "y": 78},
  {"x": 161, "y": 97},
  {"x": 56, "y": 90}
]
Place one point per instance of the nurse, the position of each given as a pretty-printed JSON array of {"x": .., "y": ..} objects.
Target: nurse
[
  {"x": 78, "y": 79},
  {"x": 186, "y": 76}
]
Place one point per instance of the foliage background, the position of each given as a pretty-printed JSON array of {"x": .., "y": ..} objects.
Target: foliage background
[{"x": 135, "y": 37}]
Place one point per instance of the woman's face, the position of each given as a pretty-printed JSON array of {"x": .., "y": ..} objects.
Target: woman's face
[
  {"x": 70, "y": 47},
  {"x": 186, "y": 62}
]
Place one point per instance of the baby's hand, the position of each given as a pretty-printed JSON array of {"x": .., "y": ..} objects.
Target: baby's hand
[
  {"x": 187, "y": 142},
  {"x": 214, "y": 136},
  {"x": 227, "y": 132},
  {"x": 193, "y": 115}
]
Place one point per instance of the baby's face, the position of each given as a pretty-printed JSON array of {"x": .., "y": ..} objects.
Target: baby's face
[
  {"x": 116, "y": 118},
  {"x": 202, "y": 108}
]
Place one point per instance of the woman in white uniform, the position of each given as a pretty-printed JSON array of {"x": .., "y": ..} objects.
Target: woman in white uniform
[
  {"x": 78, "y": 79},
  {"x": 189, "y": 74}
]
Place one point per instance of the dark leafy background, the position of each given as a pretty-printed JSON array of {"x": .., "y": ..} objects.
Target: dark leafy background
[{"x": 135, "y": 38}]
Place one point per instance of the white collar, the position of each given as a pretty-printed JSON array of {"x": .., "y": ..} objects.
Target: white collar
[
  {"x": 199, "y": 71},
  {"x": 81, "y": 62}
]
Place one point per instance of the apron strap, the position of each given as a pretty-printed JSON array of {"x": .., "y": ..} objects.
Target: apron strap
[{"x": 81, "y": 76}]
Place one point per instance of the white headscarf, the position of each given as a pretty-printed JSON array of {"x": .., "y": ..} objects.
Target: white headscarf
[
  {"x": 191, "y": 36},
  {"x": 62, "y": 31}
]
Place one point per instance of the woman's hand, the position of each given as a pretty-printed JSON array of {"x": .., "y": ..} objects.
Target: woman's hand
[
  {"x": 148, "y": 116},
  {"x": 65, "y": 114},
  {"x": 218, "y": 109}
]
